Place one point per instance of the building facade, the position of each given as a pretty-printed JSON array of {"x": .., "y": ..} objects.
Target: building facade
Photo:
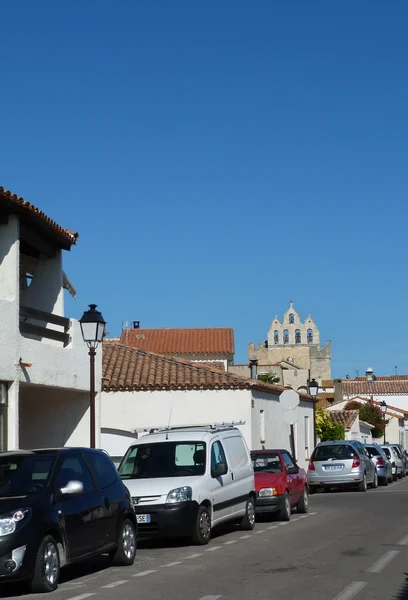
[{"x": 294, "y": 341}]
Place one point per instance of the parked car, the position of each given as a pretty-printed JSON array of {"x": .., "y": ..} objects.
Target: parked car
[
  {"x": 381, "y": 462},
  {"x": 402, "y": 456},
  {"x": 279, "y": 483},
  {"x": 396, "y": 462},
  {"x": 341, "y": 463},
  {"x": 186, "y": 481},
  {"x": 60, "y": 506}
]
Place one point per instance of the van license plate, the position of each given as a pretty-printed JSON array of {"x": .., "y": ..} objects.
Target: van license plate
[{"x": 143, "y": 518}]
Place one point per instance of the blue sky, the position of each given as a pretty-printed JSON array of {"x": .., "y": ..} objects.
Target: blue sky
[{"x": 220, "y": 159}]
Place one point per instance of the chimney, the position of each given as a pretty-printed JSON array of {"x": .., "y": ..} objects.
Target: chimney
[
  {"x": 370, "y": 374},
  {"x": 136, "y": 324},
  {"x": 253, "y": 365},
  {"x": 338, "y": 394}
]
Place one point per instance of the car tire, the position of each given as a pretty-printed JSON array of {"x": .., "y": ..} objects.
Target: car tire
[
  {"x": 400, "y": 475},
  {"x": 312, "y": 489},
  {"x": 384, "y": 481},
  {"x": 285, "y": 510},
  {"x": 362, "y": 486},
  {"x": 47, "y": 567},
  {"x": 390, "y": 479},
  {"x": 125, "y": 553},
  {"x": 202, "y": 527},
  {"x": 395, "y": 477},
  {"x": 374, "y": 485},
  {"x": 248, "y": 522},
  {"x": 303, "y": 505}
]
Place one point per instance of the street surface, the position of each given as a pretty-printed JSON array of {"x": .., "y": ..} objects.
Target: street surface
[{"x": 350, "y": 545}]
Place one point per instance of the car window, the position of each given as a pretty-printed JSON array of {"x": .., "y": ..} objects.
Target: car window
[
  {"x": 103, "y": 468},
  {"x": 217, "y": 455},
  {"x": 373, "y": 450},
  {"x": 387, "y": 452},
  {"x": 268, "y": 462},
  {"x": 335, "y": 451},
  {"x": 74, "y": 468},
  {"x": 288, "y": 460},
  {"x": 164, "y": 459},
  {"x": 21, "y": 475},
  {"x": 397, "y": 450},
  {"x": 361, "y": 448}
]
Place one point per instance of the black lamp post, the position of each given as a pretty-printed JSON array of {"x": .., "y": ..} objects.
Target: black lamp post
[
  {"x": 93, "y": 329},
  {"x": 313, "y": 388},
  {"x": 384, "y": 411}
]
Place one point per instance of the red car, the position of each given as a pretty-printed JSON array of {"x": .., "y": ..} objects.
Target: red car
[{"x": 280, "y": 484}]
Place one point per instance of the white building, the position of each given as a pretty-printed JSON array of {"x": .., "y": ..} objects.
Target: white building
[
  {"x": 146, "y": 390},
  {"x": 44, "y": 363},
  {"x": 354, "y": 428}
]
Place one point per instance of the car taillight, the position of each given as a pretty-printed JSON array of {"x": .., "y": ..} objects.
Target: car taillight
[
  {"x": 393, "y": 463},
  {"x": 356, "y": 462},
  {"x": 380, "y": 462},
  {"x": 311, "y": 465}
]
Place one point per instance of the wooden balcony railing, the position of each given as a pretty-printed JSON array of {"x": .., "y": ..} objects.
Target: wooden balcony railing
[{"x": 35, "y": 329}]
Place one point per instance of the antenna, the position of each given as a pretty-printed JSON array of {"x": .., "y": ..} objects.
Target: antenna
[
  {"x": 396, "y": 370},
  {"x": 168, "y": 426}
]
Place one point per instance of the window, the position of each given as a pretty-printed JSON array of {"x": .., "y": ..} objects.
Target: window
[
  {"x": 309, "y": 336},
  {"x": 291, "y": 318},
  {"x": 237, "y": 452},
  {"x": 103, "y": 468},
  {"x": 335, "y": 452},
  {"x": 164, "y": 459},
  {"x": 298, "y": 337},
  {"x": 74, "y": 468},
  {"x": 21, "y": 475},
  {"x": 286, "y": 337},
  {"x": 217, "y": 455},
  {"x": 276, "y": 337},
  {"x": 288, "y": 460},
  {"x": 268, "y": 462}
]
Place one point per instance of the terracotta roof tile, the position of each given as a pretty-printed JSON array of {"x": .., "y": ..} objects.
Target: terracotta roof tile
[
  {"x": 356, "y": 387},
  {"x": 327, "y": 383},
  {"x": 14, "y": 203},
  {"x": 389, "y": 407},
  {"x": 343, "y": 417},
  {"x": 133, "y": 369},
  {"x": 181, "y": 341}
]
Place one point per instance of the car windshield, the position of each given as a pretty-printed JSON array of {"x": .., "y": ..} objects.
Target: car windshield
[
  {"x": 164, "y": 459},
  {"x": 336, "y": 452},
  {"x": 24, "y": 474},
  {"x": 268, "y": 462},
  {"x": 373, "y": 450},
  {"x": 387, "y": 452}
]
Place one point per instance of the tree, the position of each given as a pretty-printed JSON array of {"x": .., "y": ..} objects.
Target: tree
[
  {"x": 269, "y": 378},
  {"x": 326, "y": 429},
  {"x": 370, "y": 413}
]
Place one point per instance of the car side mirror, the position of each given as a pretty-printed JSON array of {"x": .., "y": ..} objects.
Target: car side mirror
[
  {"x": 73, "y": 488},
  {"x": 220, "y": 469},
  {"x": 293, "y": 470}
]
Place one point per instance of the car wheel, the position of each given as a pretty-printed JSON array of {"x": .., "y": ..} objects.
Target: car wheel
[
  {"x": 400, "y": 475},
  {"x": 312, "y": 489},
  {"x": 286, "y": 510},
  {"x": 362, "y": 486},
  {"x": 303, "y": 505},
  {"x": 125, "y": 553},
  {"x": 47, "y": 567},
  {"x": 390, "y": 479},
  {"x": 248, "y": 522},
  {"x": 202, "y": 527},
  {"x": 384, "y": 481},
  {"x": 374, "y": 485},
  {"x": 395, "y": 476}
]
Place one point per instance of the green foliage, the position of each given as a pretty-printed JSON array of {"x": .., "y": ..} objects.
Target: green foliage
[
  {"x": 269, "y": 378},
  {"x": 370, "y": 413},
  {"x": 326, "y": 429}
]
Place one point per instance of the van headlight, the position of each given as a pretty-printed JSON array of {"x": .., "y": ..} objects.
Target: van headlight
[
  {"x": 13, "y": 520},
  {"x": 267, "y": 492},
  {"x": 181, "y": 494}
]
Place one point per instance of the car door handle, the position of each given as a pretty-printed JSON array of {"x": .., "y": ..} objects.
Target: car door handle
[
  {"x": 107, "y": 503},
  {"x": 232, "y": 475}
]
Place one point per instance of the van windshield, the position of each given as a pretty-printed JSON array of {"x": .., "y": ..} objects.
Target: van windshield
[{"x": 164, "y": 459}]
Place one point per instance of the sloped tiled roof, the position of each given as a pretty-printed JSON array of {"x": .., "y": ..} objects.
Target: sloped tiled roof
[
  {"x": 389, "y": 407},
  {"x": 385, "y": 387},
  {"x": 127, "y": 369},
  {"x": 343, "y": 417},
  {"x": 15, "y": 204},
  {"x": 211, "y": 340}
]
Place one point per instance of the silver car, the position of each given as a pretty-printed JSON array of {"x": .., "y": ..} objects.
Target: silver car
[
  {"x": 397, "y": 464},
  {"x": 339, "y": 464},
  {"x": 381, "y": 462},
  {"x": 402, "y": 455}
]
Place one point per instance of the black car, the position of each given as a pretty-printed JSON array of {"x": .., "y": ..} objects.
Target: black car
[{"x": 57, "y": 507}]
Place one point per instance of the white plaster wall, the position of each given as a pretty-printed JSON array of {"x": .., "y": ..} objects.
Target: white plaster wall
[
  {"x": 54, "y": 418},
  {"x": 278, "y": 431},
  {"x": 131, "y": 410},
  {"x": 9, "y": 298},
  {"x": 116, "y": 442},
  {"x": 208, "y": 358}
]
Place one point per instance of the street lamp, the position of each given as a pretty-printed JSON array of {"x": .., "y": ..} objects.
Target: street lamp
[
  {"x": 93, "y": 329},
  {"x": 313, "y": 388},
  {"x": 384, "y": 411}
]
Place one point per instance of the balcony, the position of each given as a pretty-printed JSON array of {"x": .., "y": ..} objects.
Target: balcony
[{"x": 39, "y": 330}]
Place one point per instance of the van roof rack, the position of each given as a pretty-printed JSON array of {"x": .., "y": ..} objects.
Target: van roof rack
[{"x": 213, "y": 426}]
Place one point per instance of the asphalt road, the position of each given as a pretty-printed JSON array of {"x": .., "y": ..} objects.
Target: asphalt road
[{"x": 350, "y": 545}]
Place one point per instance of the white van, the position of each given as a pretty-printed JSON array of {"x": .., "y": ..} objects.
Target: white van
[{"x": 185, "y": 481}]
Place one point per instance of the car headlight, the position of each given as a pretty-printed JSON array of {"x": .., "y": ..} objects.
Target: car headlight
[
  {"x": 181, "y": 494},
  {"x": 267, "y": 492},
  {"x": 13, "y": 520}
]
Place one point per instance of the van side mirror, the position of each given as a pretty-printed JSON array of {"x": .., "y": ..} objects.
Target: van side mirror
[
  {"x": 220, "y": 469},
  {"x": 73, "y": 488}
]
